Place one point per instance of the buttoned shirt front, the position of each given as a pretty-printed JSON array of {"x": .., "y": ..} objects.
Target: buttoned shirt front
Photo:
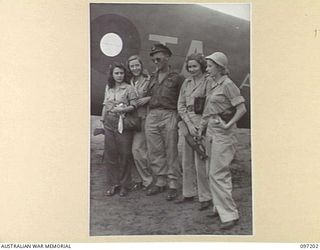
[
  {"x": 165, "y": 94},
  {"x": 124, "y": 93},
  {"x": 191, "y": 89},
  {"x": 222, "y": 95},
  {"x": 141, "y": 89}
]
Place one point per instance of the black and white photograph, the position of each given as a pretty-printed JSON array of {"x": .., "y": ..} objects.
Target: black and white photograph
[{"x": 170, "y": 132}]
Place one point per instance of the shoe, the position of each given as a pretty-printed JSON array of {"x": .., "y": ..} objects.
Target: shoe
[
  {"x": 123, "y": 192},
  {"x": 204, "y": 205},
  {"x": 154, "y": 190},
  {"x": 184, "y": 200},
  {"x": 136, "y": 186},
  {"x": 112, "y": 190},
  {"x": 145, "y": 188},
  {"x": 172, "y": 194},
  {"x": 213, "y": 215},
  {"x": 228, "y": 225}
]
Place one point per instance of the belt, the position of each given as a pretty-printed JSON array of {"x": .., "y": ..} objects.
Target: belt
[
  {"x": 112, "y": 114},
  {"x": 161, "y": 108}
]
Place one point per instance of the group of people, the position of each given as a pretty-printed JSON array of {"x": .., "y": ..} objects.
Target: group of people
[{"x": 143, "y": 114}]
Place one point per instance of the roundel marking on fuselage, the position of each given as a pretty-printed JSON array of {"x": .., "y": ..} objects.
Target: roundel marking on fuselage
[
  {"x": 111, "y": 44},
  {"x": 118, "y": 28}
]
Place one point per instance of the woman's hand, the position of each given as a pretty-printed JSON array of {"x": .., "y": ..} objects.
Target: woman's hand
[
  {"x": 193, "y": 130},
  {"x": 143, "y": 101},
  {"x": 122, "y": 109},
  {"x": 118, "y": 109},
  {"x": 199, "y": 133},
  {"x": 221, "y": 123}
]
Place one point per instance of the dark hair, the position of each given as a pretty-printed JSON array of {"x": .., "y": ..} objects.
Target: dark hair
[
  {"x": 136, "y": 57},
  {"x": 198, "y": 58},
  {"x": 111, "y": 82}
]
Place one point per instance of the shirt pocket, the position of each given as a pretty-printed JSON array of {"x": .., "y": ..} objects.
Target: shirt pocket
[
  {"x": 168, "y": 89},
  {"x": 109, "y": 95},
  {"x": 122, "y": 97},
  {"x": 189, "y": 98},
  {"x": 169, "y": 83},
  {"x": 217, "y": 99}
]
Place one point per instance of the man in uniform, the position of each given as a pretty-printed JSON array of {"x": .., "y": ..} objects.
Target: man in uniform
[{"x": 161, "y": 123}]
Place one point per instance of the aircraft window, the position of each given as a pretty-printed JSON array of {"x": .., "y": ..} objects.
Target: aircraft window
[{"x": 111, "y": 44}]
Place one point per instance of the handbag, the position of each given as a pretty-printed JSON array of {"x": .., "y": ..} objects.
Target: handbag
[
  {"x": 199, "y": 104},
  {"x": 132, "y": 121}
]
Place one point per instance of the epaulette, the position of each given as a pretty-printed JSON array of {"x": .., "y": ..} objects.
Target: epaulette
[
  {"x": 188, "y": 79},
  {"x": 227, "y": 81}
]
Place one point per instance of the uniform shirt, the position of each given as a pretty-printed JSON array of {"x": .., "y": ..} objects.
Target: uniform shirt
[
  {"x": 124, "y": 93},
  {"x": 189, "y": 90},
  {"x": 141, "y": 89},
  {"x": 165, "y": 94},
  {"x": 221, "y": 95}
]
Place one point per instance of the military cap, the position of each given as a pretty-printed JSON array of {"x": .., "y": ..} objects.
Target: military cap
[{"x": 158, "y": 47}]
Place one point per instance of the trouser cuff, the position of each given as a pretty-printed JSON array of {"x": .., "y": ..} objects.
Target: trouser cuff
[
  {"x": 161, "y": 181},
  {"x": 173, "y": 184},
  {"x": 229, "y": 217}
]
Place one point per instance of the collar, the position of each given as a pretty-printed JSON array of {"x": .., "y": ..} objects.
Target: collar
[
  {"x": 156, "y": 72},
  {"x": 221, "y": 79},
  {"x": 190, "y": 78},
  {"x": 123, "y": 85},
  {"x": 144, "y": 78}
]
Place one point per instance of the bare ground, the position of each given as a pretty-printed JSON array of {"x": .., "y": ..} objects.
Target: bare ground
[{"x": 138, "y": 214}]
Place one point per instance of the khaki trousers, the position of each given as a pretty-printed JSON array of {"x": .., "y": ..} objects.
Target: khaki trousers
[
  {"x": 221, "y": 144},
  {"x": 162, "y": 139},
  {"x": 195, "y": 180},
  {"x": 140, "y": 155}
]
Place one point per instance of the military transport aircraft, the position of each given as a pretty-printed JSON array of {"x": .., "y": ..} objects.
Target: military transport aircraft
[{"x": 118, "y": 31}]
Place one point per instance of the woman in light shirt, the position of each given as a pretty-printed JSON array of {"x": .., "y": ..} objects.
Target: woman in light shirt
[
  {"x": 194, "y": 177},
  {"x": 224, "y": 107},
  {"x": 140, "y": 81},
  {"x": 119, "y": 100}
]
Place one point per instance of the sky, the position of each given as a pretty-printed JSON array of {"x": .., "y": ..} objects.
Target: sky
[{"x": 238, "y": 10}]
